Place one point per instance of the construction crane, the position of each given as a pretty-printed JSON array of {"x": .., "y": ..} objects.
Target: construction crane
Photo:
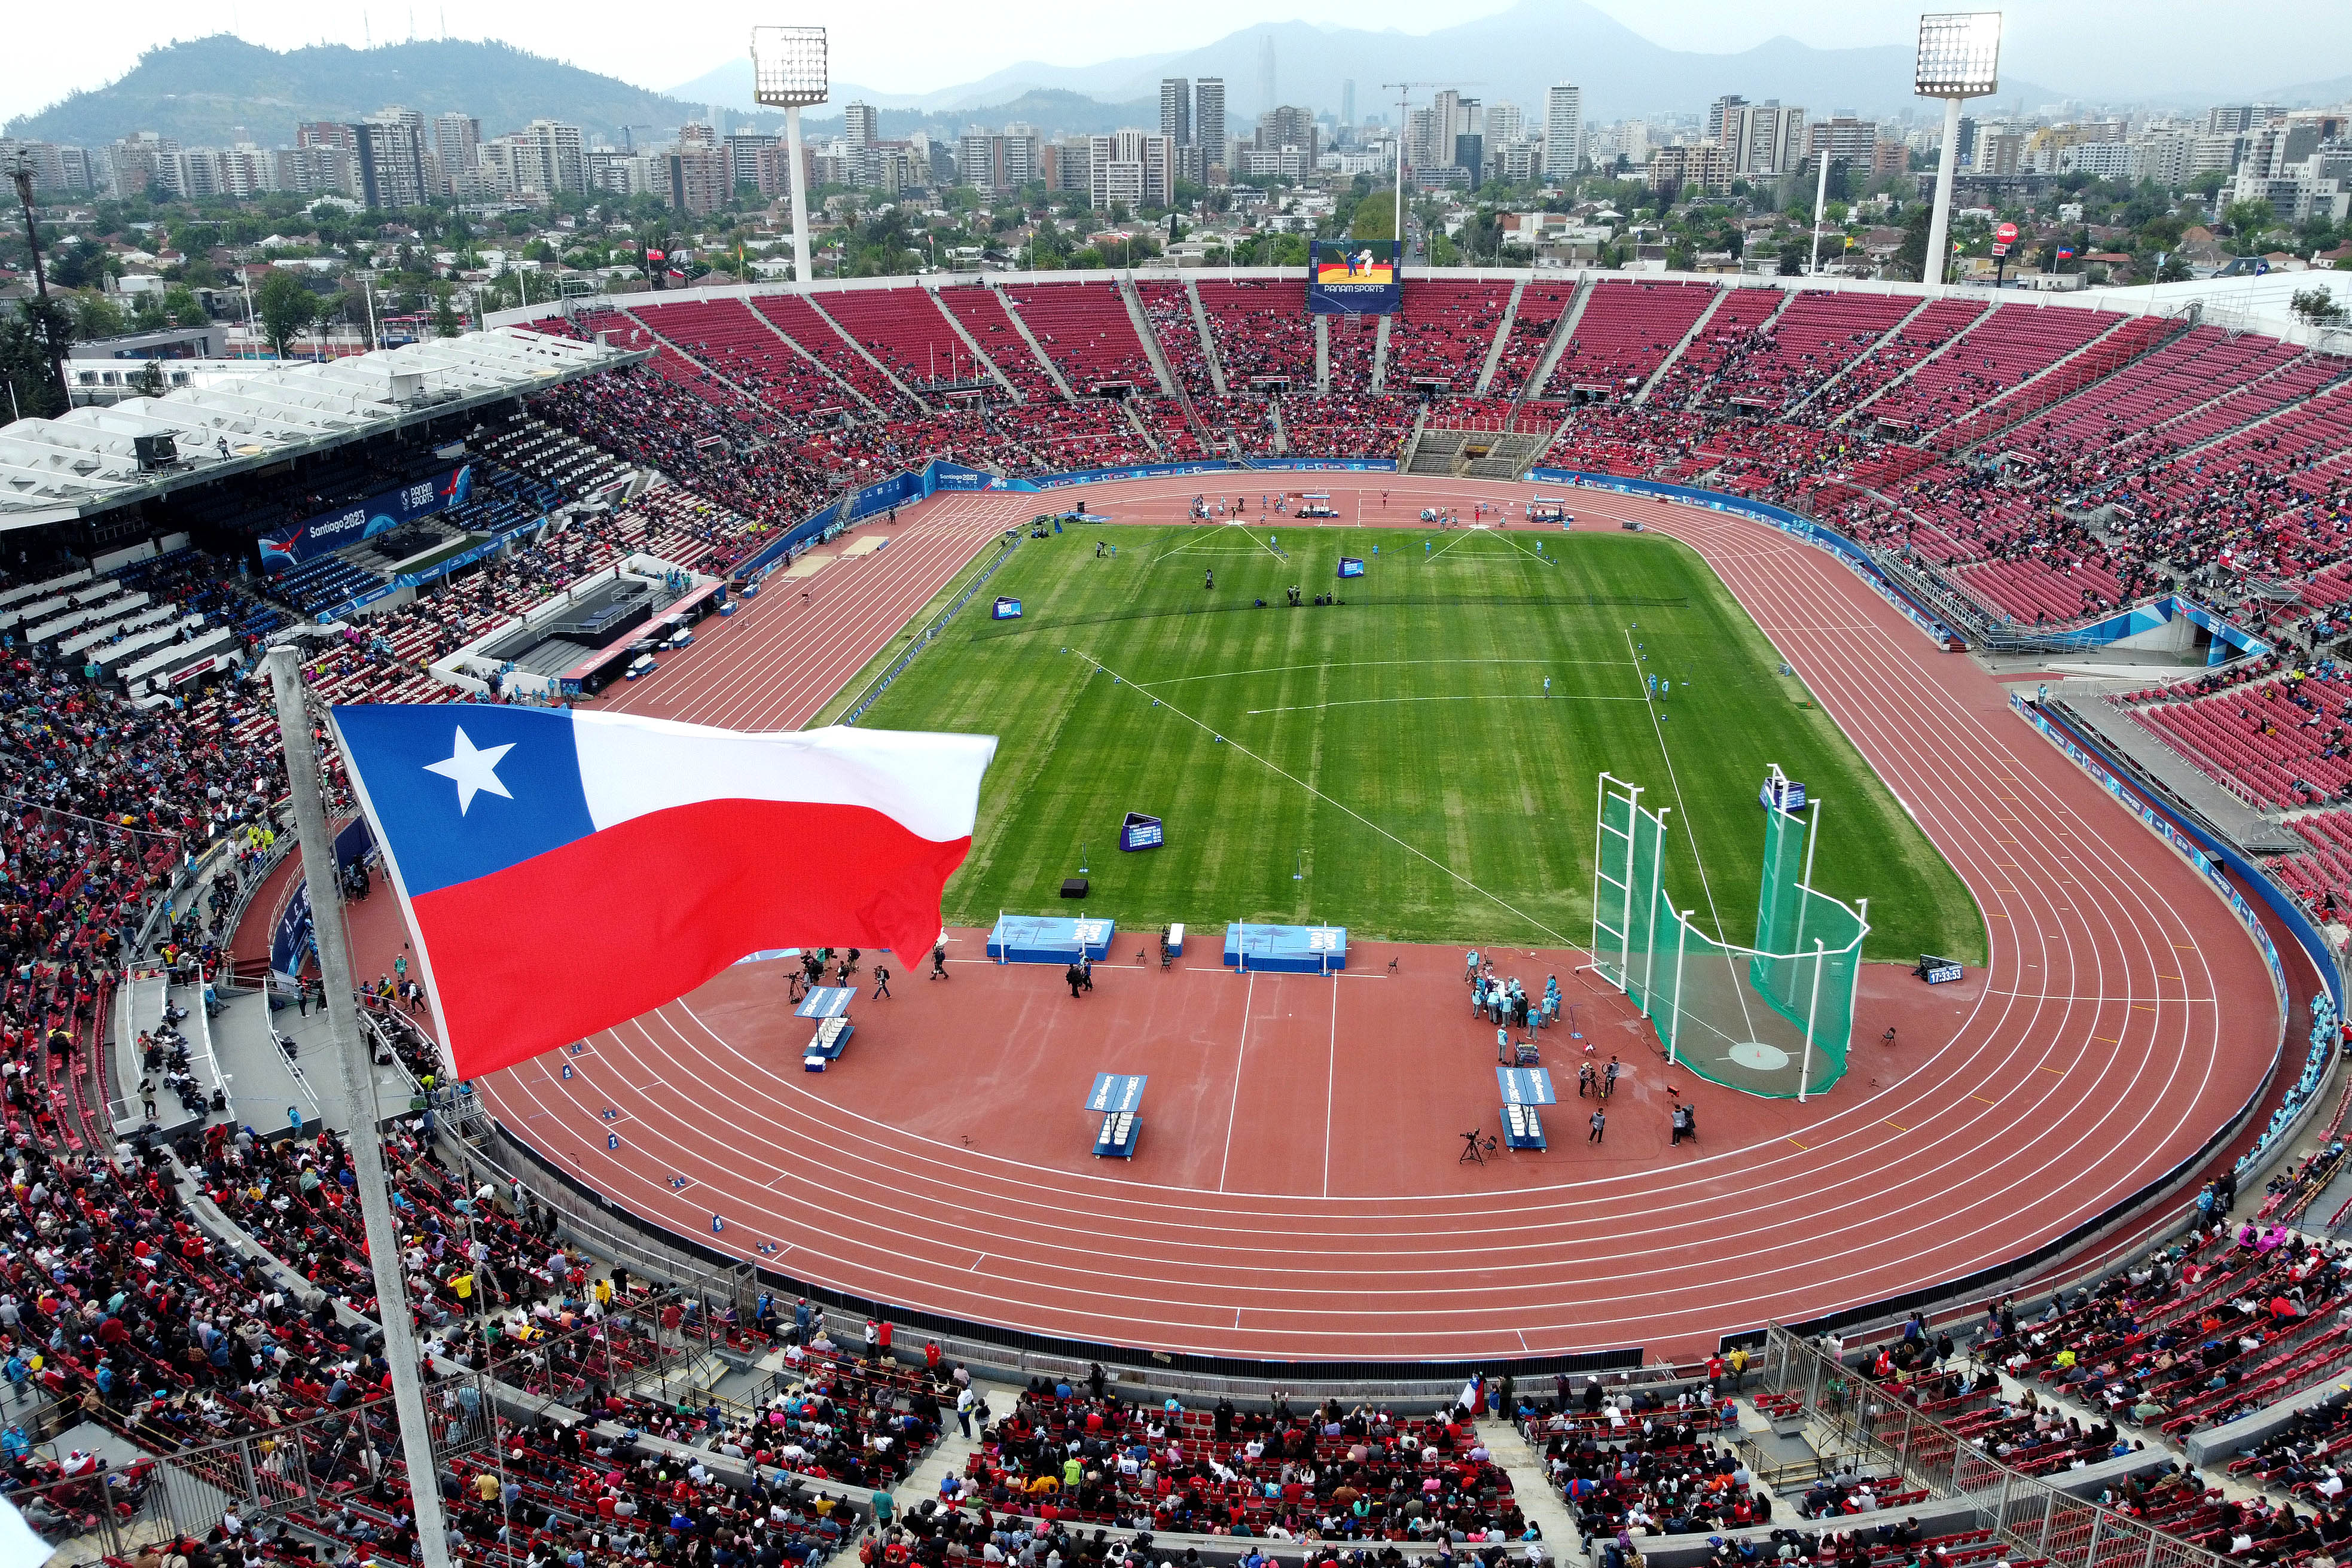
[{"x": 1403, "y": 89}]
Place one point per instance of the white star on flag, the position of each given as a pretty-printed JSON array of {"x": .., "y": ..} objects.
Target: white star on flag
[{"x": 473, "y": 768}]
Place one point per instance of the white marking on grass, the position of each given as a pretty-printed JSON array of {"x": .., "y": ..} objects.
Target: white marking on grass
[
  {"x": 1496, "y": 898},
  {"x": 1365, "y": 664},
  {"x": 1464, "y": 696}
]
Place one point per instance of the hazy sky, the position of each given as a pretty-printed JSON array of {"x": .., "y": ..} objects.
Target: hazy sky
[{"x": 920, "y": 44}]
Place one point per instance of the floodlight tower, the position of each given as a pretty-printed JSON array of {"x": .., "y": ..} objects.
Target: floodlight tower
[
  {"x": 788, "y": 71},
  {"x": 1959, "y": 58}
]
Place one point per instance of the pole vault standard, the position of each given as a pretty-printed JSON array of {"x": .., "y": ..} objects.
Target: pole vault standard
[{"x": 358, "y": 1104}]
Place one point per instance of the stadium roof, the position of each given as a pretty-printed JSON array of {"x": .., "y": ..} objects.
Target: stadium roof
[{"x": 52, "y": 470}]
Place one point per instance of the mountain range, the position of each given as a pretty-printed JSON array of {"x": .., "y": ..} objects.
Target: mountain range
[
  {"x": 219, "y": 90},
  {"x": 1513, "y": 54}
]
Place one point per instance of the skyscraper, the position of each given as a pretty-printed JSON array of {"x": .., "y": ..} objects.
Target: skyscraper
[
  {"x": 861, "y": 125},
  {"x": 1209, "y": 119},
  {"x": 1721, "y": 110},
  {"x": 1563, "y": 130},
  {"x": 1176, "y": 109},
  {"x": 1268, "y": 98},
  {"x": 1348, "y": 102},
  {"x": 1765, "y": 138}
]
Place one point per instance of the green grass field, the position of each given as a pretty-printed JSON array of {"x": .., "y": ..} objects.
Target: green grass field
[{"x": 1393, "y": 764}]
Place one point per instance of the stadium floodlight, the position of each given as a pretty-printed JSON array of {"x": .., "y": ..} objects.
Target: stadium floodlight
[
  {"x": 789, "y": 72},
  {"x": 1959, "y": 58},
  {"x": 1959, "y": 54},
  {"x": 788, "y": 67}
]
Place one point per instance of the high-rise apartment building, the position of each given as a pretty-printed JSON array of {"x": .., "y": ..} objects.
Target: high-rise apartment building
[
  {"x": 1348, "y": 102},
  {"x": 455, "y": 138},
  {"x": 1719, "y": 113},
  {"x": 1766, "y": 138},
  {"x": 1176, "y": 109},
  {"x": 551, "y": 158},
  {"x": 390, "y": 147},
  {"x": 1209, "y": 120},
  {"x": 1134, "y": 168},
  {"x": 1563, "y": 130},
  {"x": 699, "y": 178},
  {"x": 861, "y": 125},
  {"x": 758, "y": 159},
  {"x": 1289, "y": 126}
]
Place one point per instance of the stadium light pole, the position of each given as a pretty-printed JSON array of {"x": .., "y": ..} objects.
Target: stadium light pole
[
  {"x": 788, "y": 72},
  {"x": 360, "y": 1108},
  {"x": 1959, "y": 58}
]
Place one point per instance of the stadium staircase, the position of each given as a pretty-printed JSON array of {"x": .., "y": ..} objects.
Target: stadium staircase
[
  {"x": 1437, "y": 451},
  {"x": 1281, "y": 431},
  {"x": 2126, "y": 343},
  {"x": 978, "y": 354},
  {"x": 2255, "y": 422},
  {"x": 1909, "y": 371},
  {"x": 1127, "y": 408},
  {"x": 862, "y": 351},
  {"x": 1674, "y": 356},
  {"x": 1563, "y": 335},
  {"x": 1380, "y": 356},
  {"x": 1037, "y": 349},
  {"x": 1208, "y": 337},
  {"x": 1865, "y": 357},
  {"x": 1322, "y": 354},
  {"x": 1502, "y": 338},
  {"x": 1169, "y": 386}
]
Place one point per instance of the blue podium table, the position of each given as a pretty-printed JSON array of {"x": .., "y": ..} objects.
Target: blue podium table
[
  {"x": 1523, "y": 1088},
  {"x": 1118, "y": 1098},
  {"x": 829, "y": 1005}
]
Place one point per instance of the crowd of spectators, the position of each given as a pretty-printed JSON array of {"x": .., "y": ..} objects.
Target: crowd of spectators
[{"x": 1082, "y": 1455}]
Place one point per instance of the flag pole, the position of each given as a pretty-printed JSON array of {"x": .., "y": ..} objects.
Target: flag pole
[{"x": 359, "y": 1105}]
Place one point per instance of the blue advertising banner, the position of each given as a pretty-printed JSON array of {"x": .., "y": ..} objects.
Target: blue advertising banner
[
  {"x": 1361, "y": 278},
  {"x": 1351, "y": 566},
  {"x": 289, "y": 942},
  {"x": 1006, "y": 609},
  {"x": 1141, "y": 832},
  {"x": 332, "y": 530}
]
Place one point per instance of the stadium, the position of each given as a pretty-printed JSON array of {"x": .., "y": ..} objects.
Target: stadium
[{"x": 1500, "y": 636}]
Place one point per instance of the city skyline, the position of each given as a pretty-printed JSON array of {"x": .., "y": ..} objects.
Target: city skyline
[{"x": 2170, "y": 50}]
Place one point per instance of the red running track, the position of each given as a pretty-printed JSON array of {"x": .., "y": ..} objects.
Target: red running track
[{"x": 1297, "y": 1195}]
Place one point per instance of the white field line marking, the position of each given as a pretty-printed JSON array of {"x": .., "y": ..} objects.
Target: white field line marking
[
  {"x": 1365, "y": 664},
  {"x": 1463, "y": 697},
  {"x": 1337, "y": 805}
]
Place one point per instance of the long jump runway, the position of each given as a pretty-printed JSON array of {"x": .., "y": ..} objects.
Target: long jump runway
[{"x": 1298, "y": 1193}]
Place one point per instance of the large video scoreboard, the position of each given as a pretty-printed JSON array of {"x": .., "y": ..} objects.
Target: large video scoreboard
[{"x": 1359, "y": 279}]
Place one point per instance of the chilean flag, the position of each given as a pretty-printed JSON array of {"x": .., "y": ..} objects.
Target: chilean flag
[{"x": 567, "y": 871}]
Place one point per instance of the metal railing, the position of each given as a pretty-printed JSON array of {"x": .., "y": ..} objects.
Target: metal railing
[
  {"x": 1850, "y": 1414},
  {"x": 922, "y": 639}
]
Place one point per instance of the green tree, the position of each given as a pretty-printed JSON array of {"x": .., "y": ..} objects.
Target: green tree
[
  {"x": 1791, "y": 263},
  {"x": 149, "y": 382},
  {"x": 96, "y": 316},
  {"x": 1911, "y": 255},
  {"x": 183, "y": 307},
  {"x": 1374, "y": 218},
  {"x": 444, "y": 312},
  {"x": 286, "y": 307},
  {"x": 2247, "y": 219},
  {"x": 25, "y": 340},
  {"x": 2317, "y": 306}
]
